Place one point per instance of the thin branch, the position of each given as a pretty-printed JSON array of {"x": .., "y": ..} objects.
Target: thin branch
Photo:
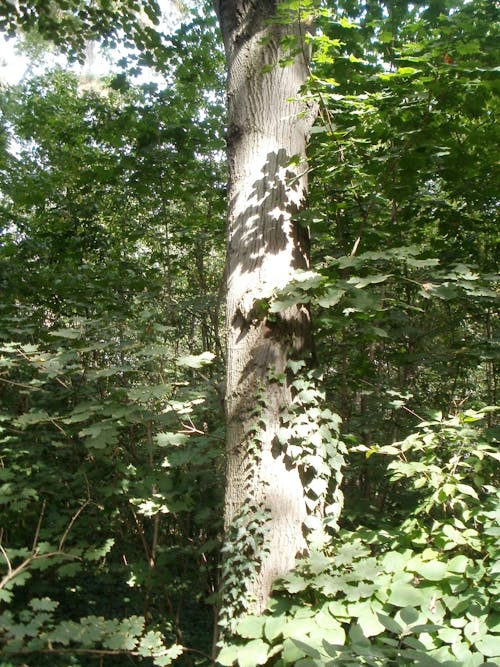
[
  {"x": 7, "y": 559},
  {"x": 77, "y": 651},
  {"x": 29, "y": 360},
  {"x": 72, "y": 523},
  {"x": 13, "y": 572},
  {"x": 19, "y": 384},
  {"x": 37, "y": 529}
]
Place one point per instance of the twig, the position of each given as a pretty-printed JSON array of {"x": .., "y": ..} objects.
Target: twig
[
  {"x": 37, "y": 529},
  {"x": 13, "y": 572}
]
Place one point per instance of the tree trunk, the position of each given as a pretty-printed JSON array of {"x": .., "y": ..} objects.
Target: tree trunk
[{"x": 264, "y": 503}]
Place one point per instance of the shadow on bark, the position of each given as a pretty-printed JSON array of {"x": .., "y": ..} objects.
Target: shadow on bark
[{"x": 259, "y": 230}]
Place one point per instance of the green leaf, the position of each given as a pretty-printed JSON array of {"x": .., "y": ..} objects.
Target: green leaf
[
  {"x": 458, "y": 564},
  {"x": 150, "y": 644},
  {"x": 307, "y": 649},
  {"x": 100, "y": 435},
  {"x": 331, "y": 298},
  {"x": 467, "y": 490},
  {"x": 369, "y": 623},
  {"x": 196, "y": 360},
  {"x": 72, "y": 334},
  {"x": 228, "y": 655},
  {"x": 291, "y": 652},
  {"x": 34, "y": 417},
  {"x": 409, "y": 615},
  {"x": 167, "y": 439},
  {"x": 43, "y": 604},
  {"x": 253, "y": 653},
  {"x": 251, "y": 627},
  {"x": 389, "y": 623},
  {"x": 299, "y": 627},
  {"x": 403, "y": 594},
  {"x": 489, "y": 645},
  {"x": 431, "y": 570},
  {"x": 359, "y": 283},
  {"x": 274, "y": 627},
  {"x": 168, "y": 656}
]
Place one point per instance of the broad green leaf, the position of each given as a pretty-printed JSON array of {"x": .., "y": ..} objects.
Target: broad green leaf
[
  {"x": 251, "y": 627},
  {"x": 299, "y": 627},
  {"x": 408, "y": 615},
  {"x": 307, "y": 648},
  {"x": 369, "y": 623},
  {"x": 196, "y": 360},
  {"x": 389, "y": 623},
  {"x": 274, "y": 627},
  {"x": 307, "y": 279},
  {"x": 72, "y": 334},
  {"x": 291, "y": 652},
  {"x": 331, "y": 297},
  {"x": 43, "y": 604},
  {"x": 227, "y": 655},
  {"x": 253, "y": 653},
  {"x": 35, "y": 417},
  {"x": 100, "y": 435},
  {"x": 359, "y": 283},
  {"x": 166, "y": 439},
  {"x": 489, "y": 645},
  {"x": 432, "y": 571},
  {"x": 458, "y": 564},
  {"x": 405, "y": 595}
]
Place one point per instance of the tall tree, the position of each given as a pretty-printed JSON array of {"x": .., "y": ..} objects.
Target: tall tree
[{"x": 267, "y": 130}]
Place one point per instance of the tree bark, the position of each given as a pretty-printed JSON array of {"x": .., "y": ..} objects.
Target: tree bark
[{"x": 267, "y": 126}]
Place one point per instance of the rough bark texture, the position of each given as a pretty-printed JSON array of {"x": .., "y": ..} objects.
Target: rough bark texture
[{"x": 264, "y": 246}]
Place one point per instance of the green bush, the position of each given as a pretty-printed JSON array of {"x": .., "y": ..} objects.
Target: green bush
[{"x": 424, "y": 591}]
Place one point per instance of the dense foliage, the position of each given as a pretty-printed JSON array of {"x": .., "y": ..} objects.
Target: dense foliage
[
  {"x": 111, "y": 436},
  {"x": 112, "y": 348}
]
